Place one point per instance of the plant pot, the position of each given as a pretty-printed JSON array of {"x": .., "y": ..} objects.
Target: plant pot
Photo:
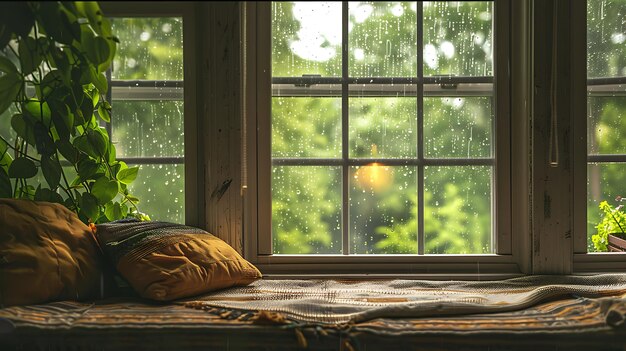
[{"x": 617, "y": 242}]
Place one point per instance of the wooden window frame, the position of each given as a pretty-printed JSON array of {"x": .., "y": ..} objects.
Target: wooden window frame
[
  {"x": 505, "y": 262},
  {"x": 174, "y": 90},
  {"x": 582, "y": 87}
]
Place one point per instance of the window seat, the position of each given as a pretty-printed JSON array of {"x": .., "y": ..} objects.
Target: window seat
[{"x": 568, "y": 320}]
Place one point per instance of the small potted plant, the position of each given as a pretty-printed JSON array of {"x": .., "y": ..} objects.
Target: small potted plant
[{"x": 611, "y": 235}]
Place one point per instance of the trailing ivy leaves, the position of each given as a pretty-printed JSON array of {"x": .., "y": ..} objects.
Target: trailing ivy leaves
[
  {"x": 127, "y": 175},
  {"x": 105, "y": 190},
  {"x": 24, "y": 128},
  {"x": 16, "y": 18},
  {"x": 87, "y": 170},
  {"x": 98, "y": 50},
  {"x": 43, "y": 194},
  {"x": 89, "y": 206},
  {"x": 93, "y": 143},
  {"x": 10, "y": 83},
  {"x": 23, "y": 168},
  {"x": 5, "y": 184},
  {"x": 74, "y": 45},
  {"x": 5, "y": 157},
  {"x": 51, "y": 171},
  {"x": 113, "y": 211},
  {"x": 30, "y": 56}
]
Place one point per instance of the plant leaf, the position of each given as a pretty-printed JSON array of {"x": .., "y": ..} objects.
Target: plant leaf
[
  {"x": 104, "y": 114},
  {"x": 83, "y": 144},
  {"x": 5, "y": 161},
  {"x": 44, "y": 194},
  {"x": 133, "y": 199},
  {"x": 97, "y": 51},
  {"x": 23, "y": 129},
  {"x": 56, "y": 22},
  {"x": 104, "y": 190},
  {"x": 87, "y": 169},
  {"x": 50, "y": 83},
  {"x": 113, "y": 211},
  {"x": 67, "y": 150},
  {"x": 22, "y": 167},
  {"x": 10, "y": 83},
  {"x": 98, "y": 80},
  {"x": 63, "y": 120},
  {"x": 98, "y": 142},
  {"x": 128, "y": 175},
  {"x": 7, "y": 66},
  {"x": 30, "y": 57},
  {"x": 89, "y": 206},
  {"x": 39, "y": 110},
  {"x": 43, "y": 141},
  {"x": 5, "y": 184},
  {"x": 51, "y": 171},
  {"x": 112, "y": 153},
  {"x": 86, "y": 107},
  {"x": 15, "y": 17}
]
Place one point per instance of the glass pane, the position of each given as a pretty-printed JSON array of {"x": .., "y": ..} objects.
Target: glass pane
[
  {"x": 383, "y": 210},
  {"x": 306, "y": 210},
  {"x": 605, "y": 182},
  {"x": 306, "y": 127},
  {"x": 457, "y": 210},
  {"x": 149, "y": 48},
  {"x": 148, "y": 128},
  {"x": 306, "y": 38},
  {"x": 161, "y": 191},
  {"x": 606, "y": 38},
  {"x": 458, "y": 38},
  {"x": 383, "y": 39},
  {"x": 606, "y": 125},
  {"x": 383, "y": 127},
  {"x": 457, "y": 127}
]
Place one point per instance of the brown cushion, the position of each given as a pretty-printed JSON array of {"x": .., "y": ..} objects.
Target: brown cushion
[
  {"x": 167, "y": 261},
  {"x": 46, "y": 253}
]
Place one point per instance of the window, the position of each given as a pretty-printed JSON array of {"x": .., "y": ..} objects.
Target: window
[
  {"x": 381, "y": 132},
  {"x": 606, "y": 108},
  {"x": 147, "y": 120},
  {"x": 153, "y": 119}
]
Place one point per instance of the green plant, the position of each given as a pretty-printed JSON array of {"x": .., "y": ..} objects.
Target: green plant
[
  {"x": 52, "y": 75},
  {"x": 613, "y": 221}
]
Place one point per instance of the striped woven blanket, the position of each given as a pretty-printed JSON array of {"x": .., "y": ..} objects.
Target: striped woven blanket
[
  {"x": 330, "y": 301},
  {"x": 530, "y": 313}
]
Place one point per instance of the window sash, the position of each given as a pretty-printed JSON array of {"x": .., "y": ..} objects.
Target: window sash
[
  {"x": 259, "y": 233},
  {"x": 168, "y": 90},
  {"x": 584, "y": 261}
]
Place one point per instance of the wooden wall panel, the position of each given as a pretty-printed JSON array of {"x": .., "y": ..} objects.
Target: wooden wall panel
[
  {"x": 221, "y": 111},
  {"x": 552, "y": 193}
]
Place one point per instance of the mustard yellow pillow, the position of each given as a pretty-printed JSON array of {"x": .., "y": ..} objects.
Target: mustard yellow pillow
[
  {"x": 46, "y": 253},
  {"x": 167, "y": 261}
]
